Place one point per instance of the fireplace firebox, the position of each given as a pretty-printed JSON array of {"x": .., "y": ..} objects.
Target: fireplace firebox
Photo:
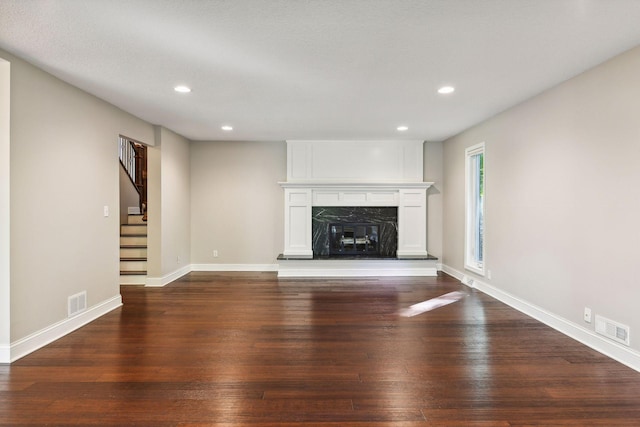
[
  {"x": 363, "y": 232},
  {"x": 354, "y": 239}
]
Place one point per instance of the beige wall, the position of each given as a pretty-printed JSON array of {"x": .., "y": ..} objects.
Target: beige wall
[
  {"x": 562, "y": 196},
  {"x": 5, "y": 225},
  {"x": 154, "y": 208},
  {"x": 169, "y": 218},
  {"x": 64, "y": 169},
  {"x": 237, "y": 206},
  {"x": 176, "y": 202}
]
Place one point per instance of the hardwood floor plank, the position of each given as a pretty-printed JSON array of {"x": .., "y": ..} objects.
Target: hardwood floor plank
[{"x": 234, "y": 349}]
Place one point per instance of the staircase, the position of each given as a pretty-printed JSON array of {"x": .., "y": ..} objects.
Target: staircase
[
  {"x": 133, "y": 251},
  {"x": 133, "y": 234}
]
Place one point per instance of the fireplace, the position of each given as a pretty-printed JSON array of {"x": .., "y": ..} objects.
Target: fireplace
[
  {"x": 365, "y": 232},
  {"x": 356, "y": 177},
  {"x": 353, "y": 239},
  {"x": 355, "y": 208}
]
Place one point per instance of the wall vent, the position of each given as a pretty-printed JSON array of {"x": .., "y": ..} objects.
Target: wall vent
[
  {"x": 77, "y": 303},
  {"x": 614, "y": 330}
]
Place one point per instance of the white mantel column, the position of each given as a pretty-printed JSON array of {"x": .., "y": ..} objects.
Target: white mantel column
[
  {"x": 412, "y": 223},
  {"x": 297, "y": 222}
]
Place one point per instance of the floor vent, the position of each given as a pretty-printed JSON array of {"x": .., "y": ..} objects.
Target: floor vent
[
  {"x": 77, "y": 303},
  {"x": 613, "y": 330}
]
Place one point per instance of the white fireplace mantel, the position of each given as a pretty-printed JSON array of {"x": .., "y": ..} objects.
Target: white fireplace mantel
[
  {"x": 409, "y": 198},
  {"x": 354, "y": 174}
]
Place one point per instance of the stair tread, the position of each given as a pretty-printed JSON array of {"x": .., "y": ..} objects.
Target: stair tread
[
  {"x": 133, "y": 246},
  {"x": 133, "y": 235},
  {"x": 133, "y": 258},
  {"x": 133, "y": 272},
  {"x": 133, "y": 225}
]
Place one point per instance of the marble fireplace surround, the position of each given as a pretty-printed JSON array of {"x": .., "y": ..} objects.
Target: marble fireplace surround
[
  {"x": 328, "y": 241},
  {"x": 355, "y": 174}
]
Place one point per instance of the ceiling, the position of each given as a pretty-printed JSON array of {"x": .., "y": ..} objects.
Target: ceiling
[{"x": 317, "y": 69}]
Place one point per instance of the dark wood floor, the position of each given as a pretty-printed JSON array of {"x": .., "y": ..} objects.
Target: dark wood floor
[{"x": 232, "y": 349}]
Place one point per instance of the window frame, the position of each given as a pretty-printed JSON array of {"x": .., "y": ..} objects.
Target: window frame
[{"x": 475, "y": 218}]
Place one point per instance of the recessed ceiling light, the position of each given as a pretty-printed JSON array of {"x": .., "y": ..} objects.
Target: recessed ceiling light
[
  {"x": 227, "y": 128},
  {"x": 402, "y": 128},
  {"x": 182, "y": 89},
  {"x": 446, "y": 89}
]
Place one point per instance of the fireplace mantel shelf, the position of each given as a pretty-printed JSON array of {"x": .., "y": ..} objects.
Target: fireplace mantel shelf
[{"x": 342, "y": 185}]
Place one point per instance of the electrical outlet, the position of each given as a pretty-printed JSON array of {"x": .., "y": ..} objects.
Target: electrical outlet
[
  {"x": 587, "y": 314},
  {"x": 178, "y": 259},
  {"x": 489, "y": 274},
  {"x": 215, "y": 254}
]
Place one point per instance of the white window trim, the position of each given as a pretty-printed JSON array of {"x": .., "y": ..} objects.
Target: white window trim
[{"x": 469, "y": 230}]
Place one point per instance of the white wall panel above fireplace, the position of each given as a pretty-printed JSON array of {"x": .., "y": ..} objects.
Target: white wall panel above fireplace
[{"x": 354, "y": 161}]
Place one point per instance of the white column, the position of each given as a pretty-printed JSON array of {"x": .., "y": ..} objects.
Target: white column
[
  {"x": 412, "y": 222},
  {"x": 297, "y": 222}
]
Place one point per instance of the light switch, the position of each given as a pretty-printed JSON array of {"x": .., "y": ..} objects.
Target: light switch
[{"x": 106, "y": 211}]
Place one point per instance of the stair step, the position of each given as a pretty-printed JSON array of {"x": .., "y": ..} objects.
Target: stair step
[
  {"x": 133, "y": 251},
  {"x": 136, "y": 264},
  {"x": 131, "y": 279},
  {"x": 136, "y": 240},
  {"x": 133, "y": 229},
  {"x": 135, "y": 219},
  {"x": 134, "y": 273}
]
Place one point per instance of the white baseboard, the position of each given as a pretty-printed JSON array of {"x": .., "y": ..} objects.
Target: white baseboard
[
  {"x": 39, "y": 339},
  {"x": 618, "y": 352},
  {"x": 156, "y": 282},
  {"x": 234, "y": 267},
  {"x": 451, "y": 272},
  {"x": 165, "y": 280}
]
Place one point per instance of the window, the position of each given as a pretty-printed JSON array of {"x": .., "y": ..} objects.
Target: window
[{"x": 474, "y": 209}]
